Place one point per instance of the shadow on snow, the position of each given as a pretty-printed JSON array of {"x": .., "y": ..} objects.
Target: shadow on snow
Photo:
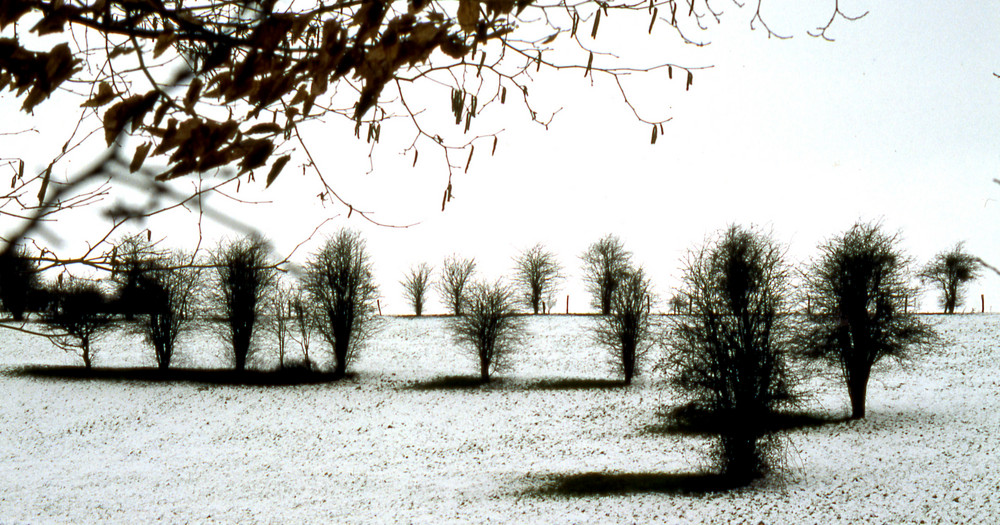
[
  {"x": 686, "y": 420},
  {"x": 474, "y": 382},
  {"x": 191, "y": 375},
  {"x": 614, "y": 483}
]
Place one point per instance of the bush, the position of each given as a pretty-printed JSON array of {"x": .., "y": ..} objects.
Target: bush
[
  {"x": 489, "y": 326},
  {"x": 78, "y": 311},
  {"x": 728, "y": 356},
  {"x": 859, "y": 289},
  {"x": 950, "y": 271},
  {"x": 604, "y": 266},
  {"x": 455, "y": 275},
  {"x": 19, "y": 283},
  {"x": 416, "y": 284},
  {"x": 244, "y": 280},
  {"x": 537, "y": 274},
  {"x": 133, "y": 260},
  {"x": 342, "y": 290},
  {"x": 626, "y": 330},
  {"x": 170, "y": 288}
]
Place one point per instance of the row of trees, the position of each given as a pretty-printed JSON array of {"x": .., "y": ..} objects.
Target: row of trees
[{"x": 728, "y": 357}]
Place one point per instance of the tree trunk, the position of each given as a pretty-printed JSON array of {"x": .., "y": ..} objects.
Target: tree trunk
[
  {"x": 858, "y": 390},
  {"x": 484, "y": 370}
]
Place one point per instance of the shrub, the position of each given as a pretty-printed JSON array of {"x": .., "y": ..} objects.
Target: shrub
[
  {"x": 170, "y": 288},
  {"x": 604, "y": 266},
  {"x": 626, "y": 330},
  {"x": 342, "y": 290},
  {"x": 244, "y": 280},
  {"x": 489, "y": 326},
  {"x": 950, "y": 271},
  {"x": 729, "y": 355},
  {"x": 78, "y": 312},
  {"x": 455, "y": 275},
  {"x": 859, "y": 288},
  {"x": 416, "y": 284},
  {"x": 19, "y": 283},
  {"x": 537, "y": 274}
]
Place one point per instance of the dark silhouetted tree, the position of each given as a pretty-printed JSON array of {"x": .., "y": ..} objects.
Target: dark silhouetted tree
[
  {"x": 626, "y": 330},
  {"x": 455, "y": 275},
  {"x": 605, "y": 264},
  {"x": 244, "y": 280},
  {"x": 170, "y": 288},
  {"x": 342, "y": 289},
  {"x": 78, "y": 312},
  {"x": 416, "y": 286},
  {"x": 729, "y": 355},
  {"x": 950, "y": 271},
  {"x": 303, "y": 325},
  {"x": 19, "y": 282},
  {"x": 859, "y": 289},
  {"x": 537, "y": 273},
  {"x": 132, "y": 260},
  {"x": 489, "y": 325}
]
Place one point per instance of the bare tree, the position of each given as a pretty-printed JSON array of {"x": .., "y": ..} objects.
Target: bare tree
[
  {"x": 729, "y": 355},
  {"x": 244, "y": 280},
  {"x": 342, "y": 289},
  {"x": 19, "y": 282},
  {"x": 678, "y": 304},
  {"x": 489, "y": 325},
  {"x": 416, "y": 285},
  {"x": 281, "y": 319},
  {"x": 605, "y": 264},
  {"x": 537, "y": 273},
  {"x": 455, "y": 275},
  {"x": 626, "y": 330},
  {"x": 859, "y": 288},
  {"x": 171, "y": 285},
  {"x": 78, "y": 313},
  {"x": 132, "y": 260},
  {"x": 950, "y": 271},
  {"x": 303, "y": 325}
]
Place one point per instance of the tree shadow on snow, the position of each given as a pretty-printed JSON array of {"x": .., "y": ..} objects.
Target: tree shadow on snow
[
  {"x": 615, "y": 483},
  {"x": 474, "y": 382},
  {"x": 189, "y": 375},
  {"x": 687, "y": 420}
]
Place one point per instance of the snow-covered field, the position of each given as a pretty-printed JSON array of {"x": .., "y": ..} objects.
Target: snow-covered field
[{"x": 396, "y": 444}]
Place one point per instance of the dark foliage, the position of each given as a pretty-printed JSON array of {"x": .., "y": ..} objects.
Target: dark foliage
[
  {"x": 626, "y": 329},
  {"x": 950, "y": 271},
  {"x": 455, "y": 275},
  {"x": 244, "y": 280},
  {"x": 605, "y": 264},
  {"x": 78, "y": 313},
  {"x": 342, "y": 290},
  {"x": 729, "y": 355},
  {"x": 133, "y": 261},
  {"x": 19, "y": 282},
  {"x": 489, "y": 326},
  {"x": 859, "y": 288},
  {"x": 537, "y": 273},
  {"x": 416, "y": 285}
]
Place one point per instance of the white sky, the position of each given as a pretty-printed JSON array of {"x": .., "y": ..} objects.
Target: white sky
[{"x": 897, "y": 120}]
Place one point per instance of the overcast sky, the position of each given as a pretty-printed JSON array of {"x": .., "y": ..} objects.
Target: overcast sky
[{"x": 898, "y": 120}]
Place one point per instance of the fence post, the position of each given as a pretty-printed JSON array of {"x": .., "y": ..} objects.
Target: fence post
[
  {"x": 982, "y": 302},
  {"x": 567, "y": 304},
  {"x": 379, "y": 305}
]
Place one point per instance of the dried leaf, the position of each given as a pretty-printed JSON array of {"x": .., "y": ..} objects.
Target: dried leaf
[
  {"x": 139, "y": 157},
  {"x": 265, "y": 127},
  {"x": 45, "y": 184},
  {"x": 163, "y": 42},
  {"x": 469, "y": 160},
  {"x": 690, "y": 80},
  {"x": 276, "y": 169},
  {"x": 597, "y": 22},
  {"x": 653, "y": 140},
  {"x": 104, "y": 95}
]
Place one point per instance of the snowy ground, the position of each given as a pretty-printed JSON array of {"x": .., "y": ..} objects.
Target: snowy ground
[{"x": 397, "y": 444}]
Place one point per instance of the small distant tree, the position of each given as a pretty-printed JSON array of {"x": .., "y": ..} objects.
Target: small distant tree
[
  {"x": 455, "y": 275},
  {"x": 626, "y": 330},
  {"x": 302, "y": 325},
  {"x": 489, "y": 325},
  {"x": 78, "y": 313},
  {"x": 133, "y": 259},
  {"x": 170, "y": 288},
  {"x": 342, "y": 289},
  {"x": 949, "y": 271},
  {"x": 244, "y": 280},
  {"x": 728, "y": 356},
  {"x": 281, "y": 319},
  {"x": 604, "y": 266},
  {"x": 859, "y": 288},
  {"x": 19, "y": 282},
  {"x": 537, "y": 273},
  {"x": 678, "y": 304},
  {"x": 416, "y": 285}
]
